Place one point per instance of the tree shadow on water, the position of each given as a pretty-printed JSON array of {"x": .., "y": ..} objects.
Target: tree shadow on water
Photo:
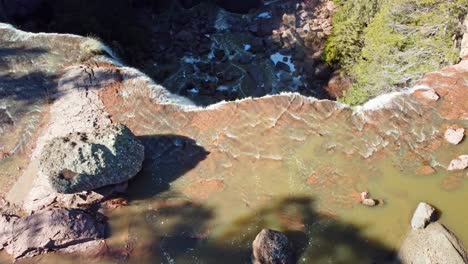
[
  {"x": 315, "y": 237},
  {"x": 167, "y": 157}
]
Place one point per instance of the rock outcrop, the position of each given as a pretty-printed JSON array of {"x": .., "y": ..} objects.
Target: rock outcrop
[
  {"x": 434, "y": 244},
  {"x": 87, "y": 161},
  {"x": 272, "y": 247},
  {"x": 423, "y": 215},
  {"x": 50, "y": 230}
]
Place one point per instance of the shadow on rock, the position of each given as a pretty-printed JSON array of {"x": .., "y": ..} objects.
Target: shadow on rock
[{"x": 167, "y": 157}]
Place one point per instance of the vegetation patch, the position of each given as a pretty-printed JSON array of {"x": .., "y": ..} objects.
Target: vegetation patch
[{"x": 385, "y": 45}]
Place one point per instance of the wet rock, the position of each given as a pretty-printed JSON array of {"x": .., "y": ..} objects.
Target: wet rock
[
  {"x": 454, "y": 135},
  {"x": 434, "y": 244},
  {"x": 50, "y": 230},
  {"x": 369, "y": 202},
  {"x": 460, "y": 163},
  {"x": 366, "y": 200},
  {"x": 272, "y": 247},
  {"x": 87, "y": 161},
  {"x": 422, "y": 216}
]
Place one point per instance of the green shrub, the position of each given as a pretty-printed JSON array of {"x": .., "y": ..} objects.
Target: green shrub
[
  {"x": 352, "y": 17},
  {"x": 354, "y": 96},
  {"x": 395, "y": 45}
]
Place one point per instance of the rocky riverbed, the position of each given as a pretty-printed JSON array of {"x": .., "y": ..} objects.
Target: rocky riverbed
[{"x": 213, "y": 177}]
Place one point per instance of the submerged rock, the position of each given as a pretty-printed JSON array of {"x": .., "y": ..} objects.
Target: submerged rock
[
  {"x": 50, "y": 230},
  {"x": 460, "y": 163},
  {"x": 369, "y": 202},
  {"x": 422, "y": 216},
  {"x": 434, "y": 244},
  {"x": 87, "y": 161},
  {"x": 272, "y": 247},
  {"x": 454, "y": 135}
]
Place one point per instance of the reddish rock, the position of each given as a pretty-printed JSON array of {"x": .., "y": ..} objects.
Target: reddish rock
[
  {"x": 203, "y": 189},
  {"x": 425, "y": 95},
  {"x": 450, "y": 84},
  {"x": 425, "y": 170},
  {"x": 337, "y": 85}
]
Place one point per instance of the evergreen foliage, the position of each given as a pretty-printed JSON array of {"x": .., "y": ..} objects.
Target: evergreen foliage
[{"x": 384, "y": 45}]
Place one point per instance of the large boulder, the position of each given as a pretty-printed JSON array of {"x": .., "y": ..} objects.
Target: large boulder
[
  {"x": 50, "y": 230},
  {"x": 423, "y": 215},
  {"x": 434, "y": 244},
  {"x": 272, "y": 247},
  {"x": 87, "y": 161}
]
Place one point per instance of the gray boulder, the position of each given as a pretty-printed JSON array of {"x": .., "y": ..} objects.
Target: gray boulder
[
  {"x": 434, "y": 244},
  {"x": 87, "y": 161},
  {"x": 50, "y": 230},
  {"x": 422, "y": 216},
  {"x": 272, "y": 247}
]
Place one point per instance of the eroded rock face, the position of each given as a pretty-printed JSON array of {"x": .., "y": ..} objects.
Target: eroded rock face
[
  {"x": 49, "y": 230},
  {"x": 272, "y": 247},
  {"x": 422, "y": 216},
  {"x": 86, "y": 161},
  {"x": 434, "y": 244}
]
